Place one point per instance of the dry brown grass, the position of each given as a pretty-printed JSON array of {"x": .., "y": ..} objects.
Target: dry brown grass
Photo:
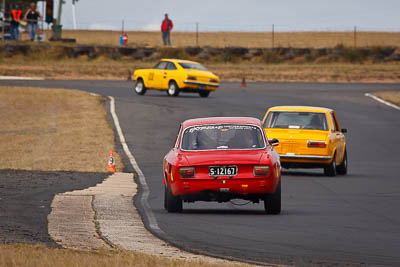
[
  {"x": 329, "y": 72},
  {"x": 54, "y": 129},
  {"x": 245, "y": 39},
  {"x": 81, "y": 68},
  {"x": 390, "y": 96},
  {"x": 102, "y": 68},
  {"x": 39, "y": 256}
]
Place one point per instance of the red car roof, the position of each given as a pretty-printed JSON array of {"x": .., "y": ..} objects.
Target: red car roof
[{"x": 216, "y": 120}]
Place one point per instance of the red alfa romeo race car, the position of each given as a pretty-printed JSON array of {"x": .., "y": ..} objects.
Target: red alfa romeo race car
[{"x": 220, "y": 159}]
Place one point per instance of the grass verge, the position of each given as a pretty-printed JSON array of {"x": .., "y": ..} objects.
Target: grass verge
[
  {"x": 390, "y": 96},
  {"x": 54, "y": 129},
  {"x": 245, "y": 39},
  {"x": 39, "y": 256}
]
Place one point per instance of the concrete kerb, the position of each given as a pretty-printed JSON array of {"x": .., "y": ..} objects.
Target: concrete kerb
[
  {"x": 73, "y": 213},
  {"x": 145, "y": 192},
  {"x": 104, "y": 217}
]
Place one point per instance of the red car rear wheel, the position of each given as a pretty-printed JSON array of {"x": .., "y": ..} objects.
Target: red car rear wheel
[
  {"x": 165, "y": 198},
  {"x": 172, "y": 203},
  {"x": 272, "y": 202}
]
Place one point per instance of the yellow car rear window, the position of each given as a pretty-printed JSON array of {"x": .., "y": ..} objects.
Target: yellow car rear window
[{"x": 296, "y": 120}]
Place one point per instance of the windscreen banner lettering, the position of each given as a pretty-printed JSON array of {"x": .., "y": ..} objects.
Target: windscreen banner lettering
[{"x": 222, "y": 127}]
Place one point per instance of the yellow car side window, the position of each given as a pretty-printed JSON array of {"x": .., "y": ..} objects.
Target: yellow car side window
[
  {"x": 337, "y": 127},
  {"x": 332, "y": 123}
]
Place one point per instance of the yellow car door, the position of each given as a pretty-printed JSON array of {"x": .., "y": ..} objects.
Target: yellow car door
[
  {"x": 157, "y": 75},
  {"x": 169, "y": 73},
  {"x": 150, "y": 78}
]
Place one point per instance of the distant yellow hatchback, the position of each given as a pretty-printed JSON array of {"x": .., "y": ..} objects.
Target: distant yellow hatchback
[
  {"x": 175, "y": 76},
  {"x": 309, "y": 137}
]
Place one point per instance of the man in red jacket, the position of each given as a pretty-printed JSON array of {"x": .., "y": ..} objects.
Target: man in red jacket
[{"x": 166, "y": 27}]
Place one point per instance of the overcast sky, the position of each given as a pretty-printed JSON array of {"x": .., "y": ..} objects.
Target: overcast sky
[{"x": 236, "y": 15}]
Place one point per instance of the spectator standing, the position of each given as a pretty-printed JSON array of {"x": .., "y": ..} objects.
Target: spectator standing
[
  {"x": 166, "y": 27},
  {"x": 53, "y": 36},
  {"x": 16, "y": 14},
  {"x": 32, "y": 15}
]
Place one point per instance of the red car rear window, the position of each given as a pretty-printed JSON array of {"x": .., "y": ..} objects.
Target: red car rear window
[{"x": 222, "y": 137}]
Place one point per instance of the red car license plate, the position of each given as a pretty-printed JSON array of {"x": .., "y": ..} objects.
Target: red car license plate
[{"x": 222, "y": 171}]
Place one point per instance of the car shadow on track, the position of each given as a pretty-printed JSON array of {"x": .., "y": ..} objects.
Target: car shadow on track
[
  {"x": 303, "y": 173},
  {"x": 250, "y": 212},
  {"x": 223, "y": 212},
  {"x": 176, "y": 97}
]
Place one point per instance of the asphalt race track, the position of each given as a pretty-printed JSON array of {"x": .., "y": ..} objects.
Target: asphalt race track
[
  {"x": 353, "y": 219},
  {"x": 25, "y": 201}
]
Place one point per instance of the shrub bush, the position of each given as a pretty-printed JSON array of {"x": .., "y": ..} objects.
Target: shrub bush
[
  {"x": 271, "y": 57},
  {"x": 168, "y": 52}
]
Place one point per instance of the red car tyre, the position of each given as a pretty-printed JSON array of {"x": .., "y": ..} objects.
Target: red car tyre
[
  {"x": 172, "y": 203},
  {"x": 165, "y": 198},
  {"x": 272, "y": 202}
]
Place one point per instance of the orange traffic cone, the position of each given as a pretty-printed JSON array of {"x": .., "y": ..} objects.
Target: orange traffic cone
[
  {"x": 244, "y": 82},
  {"x": 111, "y": 163}
]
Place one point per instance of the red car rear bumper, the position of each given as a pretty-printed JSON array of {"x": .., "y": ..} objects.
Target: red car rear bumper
[{"x": 192, "y": 186}]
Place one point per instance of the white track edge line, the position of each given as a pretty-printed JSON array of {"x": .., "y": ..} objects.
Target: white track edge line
[
  {"x": 142, "y": 179},
  {"x": 383, "y": 101},
  {"x": 18, "y": 78}
]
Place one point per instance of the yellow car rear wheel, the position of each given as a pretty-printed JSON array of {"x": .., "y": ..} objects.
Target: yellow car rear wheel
[
  {"x": 204, "y": 93},
  {"x": 342, "y": 168},
  {"x": 330, "y": 169}
]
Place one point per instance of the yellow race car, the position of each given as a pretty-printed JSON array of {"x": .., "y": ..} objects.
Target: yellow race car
[
  {"x": 309, "y": 137},
  {"x": 175, "y": 76}
]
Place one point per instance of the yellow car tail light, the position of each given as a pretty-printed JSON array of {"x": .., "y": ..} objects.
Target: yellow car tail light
[
  {"x": 316, "y": 144},
  {"x": 193, "y": 78},
  {"x": 187, "y": 172}
]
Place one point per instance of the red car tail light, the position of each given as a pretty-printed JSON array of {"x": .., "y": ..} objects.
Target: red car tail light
[
  {"x": 187, "y": 172},
  {"x": 261, "y": 170},
  {"x": 317, "y": 144}
]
